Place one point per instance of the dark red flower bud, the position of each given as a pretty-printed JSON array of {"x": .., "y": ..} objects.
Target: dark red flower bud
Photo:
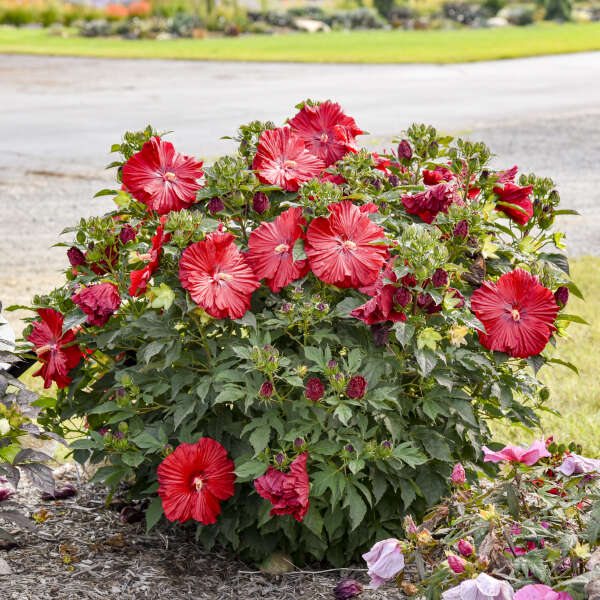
[
  {"x": 260, "y": 203},
  {"x": 394, "y": 180},
  {"x": 387, "y": 445},
  {"x": 561, "y": 295},
  {"x": 461, "y": 229},
  {"x": 357, "y": 386},
  {"x": 280, "y": 459},
  {"x": 215, "y": 205},
  {"x": 347, "y": 588},
  {"x": 60, "y": 494},
  {"x": 465, "y": 548},
  {"x": 132, "y": 514},
  {"x": 376, "y": 184},
  {"x": 409, "y": 280},
  {"x": 266, "y": 389},
  {"x": 298, "y": 442},
  {"x": 127, "y": 234},
  {"x": 349, "y": 448},
  {"x": 404, "y": 150},
  {"x": 440, "y": 278},
  {"x": 6, "y": 494},
  {"x": 402, "y": 296},
  {"x": 332, "y": 364},
  {"x": 314, "y": 389},
  {"x": 75, "y": 256}
]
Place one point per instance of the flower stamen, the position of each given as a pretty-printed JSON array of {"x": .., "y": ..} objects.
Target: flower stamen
[{"x": 281, "y": 248}]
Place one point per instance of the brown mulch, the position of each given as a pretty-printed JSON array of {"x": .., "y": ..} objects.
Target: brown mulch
[{"x": 83, "y": 551}]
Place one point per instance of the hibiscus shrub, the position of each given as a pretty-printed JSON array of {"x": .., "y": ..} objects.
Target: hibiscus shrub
[{"x": 305, "y": 336}]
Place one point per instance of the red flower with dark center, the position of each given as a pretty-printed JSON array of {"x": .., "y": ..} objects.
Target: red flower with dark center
[
  {"x": 98, "y": 302},
  {"x": 340, "y": 250},
  {"x": 356, "y": 388},
  {"x": 164, "y": 180},
  {"x": 194, "y": 479},
  {"x": 435, "y": 199},
  {"x": 519, "y": 196},
  {"x": 314, "y": 389},
  {"x": 326, "y": 131},
  {"x": 57, "y": 352},
  {"x": 216, "y": 275},
  {"x": 287, "y": 492},
  {"x": 282, "y": 159},
  {"x": 141, "y": 277},
  {"x": 271, "y": 247},
  {"x": 518, "y": 314}
]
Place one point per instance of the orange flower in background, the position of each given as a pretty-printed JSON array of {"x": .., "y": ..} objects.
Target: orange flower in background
[
  {"x": 116, "y": 11},
  {"x": 140, "y": 9}
]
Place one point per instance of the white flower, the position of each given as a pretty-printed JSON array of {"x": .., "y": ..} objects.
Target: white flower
[{"x": 4, "y": 426}]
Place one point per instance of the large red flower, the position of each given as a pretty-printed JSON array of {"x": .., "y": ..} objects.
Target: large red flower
[
  {"x": 326, "y": 131},
  {"x": 140, "y": 278},
  {"x": 57, "y": 352},
  {"x": 287, "y": 492},
  {"x": 271, "y": 250},
  {"x": 435, "y": 199},
  {"x": 518, "y": 314},
  {"x": 194, "y": 479},
  {"x": 519, "y": 196},
  {"x": 161, "y": 178},
  {"x": 282, "y": 159},
  {"x": 98, "y": 302},
  {"x": 340, "y": 249},
  {"x": 379, "y": 308},
  {"x": 216, "y": 275}
]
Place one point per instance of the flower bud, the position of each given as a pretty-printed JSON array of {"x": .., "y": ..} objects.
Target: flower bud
[
  {"x": 356, "y": 388},
  {"x": 314, "y": 389},
  {"x": 349, "y": 448},
  {"x": 386, "y": 444},
  {"x": 402, "y": 296},
  {"x": 404, "y": 150},
  {"x": 298, "y": 442},
  {"x": 127, "y": 234},
  {"x": 332, "y": 364},
  {"x": 465, "y": 548},
  {"x": 456, "y": 563},
  {"x": 561, "y": 295},
  {"x": 394, "y": 180},
  {"x": 286, "y": 308},
  {"x": 260, "y": 203},
  {"x": 266, "y": 389},
  {"x": 440, "y": 278},
  {"x": 458, "y": 475},
  {"x": 215, "y": 205},
  {"x": 280, "y": 459},
  {"x": 410, "y": 527},
  {"x": 75, "y": 256},
  {"x": 461, "y": 229},
  {"x": 347, "y": 588}
]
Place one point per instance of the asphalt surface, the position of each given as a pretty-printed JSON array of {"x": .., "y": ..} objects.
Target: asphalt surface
[{"x": 59, "y": 116}]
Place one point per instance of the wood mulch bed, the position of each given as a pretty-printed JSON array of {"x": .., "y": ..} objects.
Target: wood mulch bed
[{"x": 83, "y": 551}]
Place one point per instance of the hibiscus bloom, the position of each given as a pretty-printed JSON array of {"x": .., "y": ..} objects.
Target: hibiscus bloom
[
  {"x": 271, "y": 248},
  {"x": 380, "y": 308},
  {"x": 527, "y": 456},
  {"x": 518, "y": 314},
  {"x": 326, "y": 131},
  {"x": 539, "y": 591},
  {"x": 193, "y": 480},
  {"x": 518, "y": 196},
  {"x": 340, "y": 250},
  {"x": 140, "y": 278},
  {"x": 438, "y": 174},
  {"x": 576, "y": 465},
  {"x": 384, "y": 561},
  {"x": 483, "y": 587},
  {"x": 287, "y": 492},
  {"x": 55, "y": 350},
  {"x": 164, "y": 180},
  {"x": 435, "y": 199},
  {"x": 507, "y": 176},
  {"x": 216, "y": 275},
  {"x": 98, "y": 302},
  {"x": 282, "y": 159}
]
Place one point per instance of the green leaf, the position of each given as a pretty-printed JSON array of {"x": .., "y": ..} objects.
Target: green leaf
[
  {"x": 147, "y": 441},
  {"x": 572, "y": 318},
  {"x": 343, "y": 413},
  {"x": 105, "y": 407},
  {"x": 152, "y": 349},
  {"x": 358, "y": 508},
  {"x": 259, "y": 438},
  {"x": 426, "y": 359},
  {"x": 153, "y": 513},
  {"x": 133, "y": 459},
  {"x": 313, "y": 520},
  {"x": 428, "y": 338},
  {"x": 249, "y": 320},
  {"x": 298, "y": 251},
  {"x": 184, "y": 407},
  {"x": 314, "y": 354},
  {"x": 354, "y": 360},
  {"x": 106, "y": 192},
  {"x": 408, "y": 454},
  {"x": 250, "y": 470},
  {"x": 404, "y": 332}
]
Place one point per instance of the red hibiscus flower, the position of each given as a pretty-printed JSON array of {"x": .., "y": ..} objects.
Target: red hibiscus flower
[
  {"x": 507, "y": 176},
  {"x": 518, "y": 314},
  {"x": 194, "y": 479},
  {"x": 438, "y": 174},
  {"x": 326, "y": 131},
  {"x": 519, "y": 196},
  {"x": 339, "y": 247},
  {"x": 216, "y": 275},
  {"x": 140, "y": 278},
  {"x": 55, "y": 351},
  {"x": 271, "y": 248},
  {"x": 282, "y": 159},
  {"x": 98, "y": 302},
  {"x": 164, "y": 180},
  {"x": 380, "y": 308},
  {"x": 287, "y": 492},
  {"x": 435, "y": 199}
]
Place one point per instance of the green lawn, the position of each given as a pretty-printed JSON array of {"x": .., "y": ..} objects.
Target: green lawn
[{"x": 465, "y": 45}]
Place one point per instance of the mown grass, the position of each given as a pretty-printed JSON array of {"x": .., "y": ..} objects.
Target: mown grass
[{"x": 465, "y": 45}]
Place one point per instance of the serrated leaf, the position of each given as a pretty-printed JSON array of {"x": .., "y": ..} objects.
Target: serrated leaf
[
  {"x": 250, "y": 470},
  {"x": 343, "y": 413},
  {"x": 426, "y": 359},
  {"x": 259, "y": 438},
  {"x": 357, "y": 506},
  {"x": 133, "y": 459}
]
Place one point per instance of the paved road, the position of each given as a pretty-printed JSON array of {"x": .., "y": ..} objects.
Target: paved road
[{"x": 58, "y": 117}]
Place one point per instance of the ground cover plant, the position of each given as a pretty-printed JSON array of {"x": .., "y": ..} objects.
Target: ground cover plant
[
  {"x": 293, "y": 346},
  {"x": 337, "y": 47}
]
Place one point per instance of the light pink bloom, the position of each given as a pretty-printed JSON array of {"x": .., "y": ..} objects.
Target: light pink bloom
[
  {"x": 540, "y": 592},
  {"x": 483, "y": 587},
  {"x": 456, "y": 563},
  {"x": 458, "y": 474},
  {"x": 527, "y": 456},
  {"x": 576, "y": 465},
  {"x": 385, "y": 560}
]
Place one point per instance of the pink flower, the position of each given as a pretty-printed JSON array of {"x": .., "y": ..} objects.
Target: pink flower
[
  {"x": 483, "y": 587},
  {"x": 384, "y": 560},
  {"x": 576, "y": 465},
  {"x": 458, "y": 474},
  {"x": 540, "y": 592},
  {"x": 527, "y": 456},
  {"x": 456, "y": 563},
  {"x": 465, "y": 548}
]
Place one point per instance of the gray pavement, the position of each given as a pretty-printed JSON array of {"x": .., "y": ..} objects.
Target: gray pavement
[{"x": 58, "y": 117}]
